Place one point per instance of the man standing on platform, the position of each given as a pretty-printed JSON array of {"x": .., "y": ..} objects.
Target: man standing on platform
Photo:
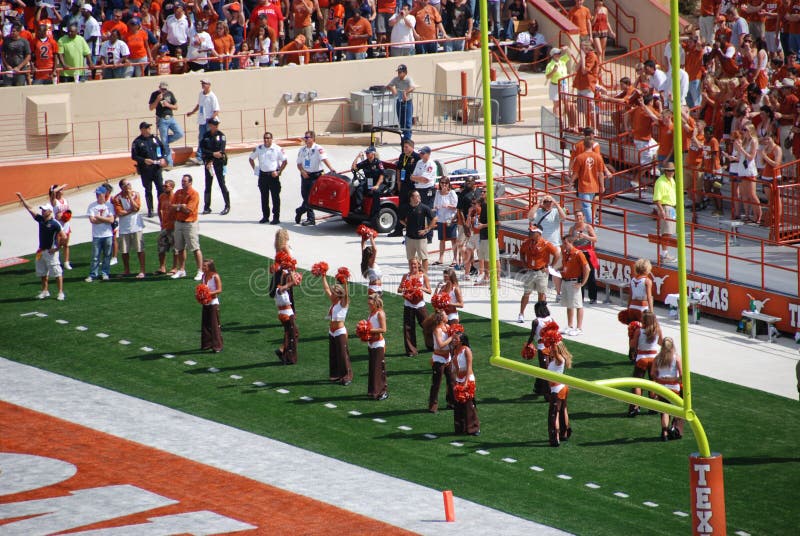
[
  {"x": 164, "y": 103},
  {"x": 207, "y": 107},
  {"x": 401, "y": 87},
  {"x": 51, "y": 236},
  {"x": 665, "y": 199},
  {"x": 148, "y": 153},
  {"x": 405, "y": 169},
  {"x": 216, "y": 161},
  {"x": 589, "y": 173},
  {"x": 309, "y": 162},
  {"x": 538, "y": 255},
  {"x": 271, "y": 163}
]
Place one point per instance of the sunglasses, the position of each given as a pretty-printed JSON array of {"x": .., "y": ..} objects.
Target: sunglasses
[{"x": 307, "y": 137}]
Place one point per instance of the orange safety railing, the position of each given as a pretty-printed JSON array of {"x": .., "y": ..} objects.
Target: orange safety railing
[{"x": 618, "y": 14}]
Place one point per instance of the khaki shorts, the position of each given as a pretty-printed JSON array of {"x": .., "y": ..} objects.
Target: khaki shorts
[
  {"x": 186, "y": 236},
  {"x": 472, "y": 241},
  {"x": 535, "y": 281},
  {"x": 668, "y": 226},
  {"x": 483, "y": 250},
  {"x": 417, "y": 248},
  {"x": 131, "y": 242},
  {"x": 48, "y": 264},
  {"x": 571, "y": 296},
  {"x": 166, "y": 241}
]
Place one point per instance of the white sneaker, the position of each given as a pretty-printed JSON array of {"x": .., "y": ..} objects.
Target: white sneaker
[
  {"x": 104, "y": 277},
  {"x": 89, "y": 279},
  {"x": 577, "y": 331},
  {"x": 61, "y": 296},
  {"x": 565, "y": 331},
  {"x": 113, "y": 261},
  {"x": 521, "y": 319},
  {"x": 571, "y": 332},
  {"x": 43, "y": 294},
  {"x": 199, "y": 275},
  {"x": 179, "y": 274},
  {"x": 67, "y": 266},
  {"x": 668, "y": 258}
]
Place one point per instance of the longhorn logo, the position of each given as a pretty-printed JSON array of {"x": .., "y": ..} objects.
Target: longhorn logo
[
  {"x": 758, "y": 304},
  {"x": 659, "y": 281}
]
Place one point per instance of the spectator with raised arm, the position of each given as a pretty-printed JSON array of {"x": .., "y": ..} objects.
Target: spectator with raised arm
[{"x": 402, "y": 35}]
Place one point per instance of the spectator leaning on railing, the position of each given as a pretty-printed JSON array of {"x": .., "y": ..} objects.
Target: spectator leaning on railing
[
  {"x": 358, "y": 31},
  {"x": 90, "y": 29},
  {"x": 16, "y": 57},
  {"x": 74, "y": 54},
  {"x": 429, "y": 27}
]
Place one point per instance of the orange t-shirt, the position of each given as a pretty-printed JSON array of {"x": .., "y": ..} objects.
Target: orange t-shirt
[
  {"x": 641, "y": 124},
  {"x": 210, "y": 18},
  {"x": 793, "y": 9},
  {"x": 768, "y": 170},
  {"x": 43, "y": 53},
  {"x": 586, "y": 78},
  {"x": 191, "y": 199},
  {"x": 301, "y": 13},
  {"x": 223, "y": 44},
  {"x": 665, "y": 137},
  {"x": 589, "y": 167},
  {"x": 773, "y": 6},
  {"x": 694, "y": 157},
  {"x": 294, "y": 51},
  {"x": 711, "y": 155},
  {"x": 137, "y": 43},
  {"x": 537, "y": 256},
  {"x": 573, "y": 265},
  {"x": 427, "y": 19},
  {"x": 114, "y": 25},
  {"x": 694, "y": 62},
  {"x": 360, "y": 27},
  {"x": 335, "y": 17},
  {"x": 165, "y": 211},
  {"x": 582, "y": 18},
  {"x": 708, "y": 7},
  {"x": 579, "y": 148},
  {"x": 753, "y": 17},
  {"x": 686, "y": 135}
]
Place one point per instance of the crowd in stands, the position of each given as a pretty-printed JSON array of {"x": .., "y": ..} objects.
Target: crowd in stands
[{"x": 125, "y": 38}]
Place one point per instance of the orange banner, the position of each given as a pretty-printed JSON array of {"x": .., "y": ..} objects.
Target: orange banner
[{"x": 707, "y": 495}]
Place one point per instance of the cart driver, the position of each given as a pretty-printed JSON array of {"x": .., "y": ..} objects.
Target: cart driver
[{"x": 373, "y": 171}]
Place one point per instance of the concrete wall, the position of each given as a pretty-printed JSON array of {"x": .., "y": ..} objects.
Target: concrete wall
[{"x": 105, "y": 114}]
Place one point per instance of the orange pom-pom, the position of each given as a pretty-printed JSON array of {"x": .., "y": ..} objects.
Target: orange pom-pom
[
  {"x": 297, "y": 277},
  {"x": 202, "y": 294},
  {"x": 411, "y": 288},
  {"x": 549, "y": 336},
  {"x": 464, "y": 392},
  {"x": 366, "y": 232},
  {"x": 632, "y": 327},
  {"x": 529, "y": 351},
  {"x": 363, "y": 329},
  {"x": 320, "y": 269},
  {"x": 624, "y": 317},
  {"x": 343, "y": 275},
  {"x": 66, "y": 216},
  {"x": 440, "y": 300},
  {"x": 452, "y": 329}
]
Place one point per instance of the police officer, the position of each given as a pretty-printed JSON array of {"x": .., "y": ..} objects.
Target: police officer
[
  {"x": 373, "y": 175},
  {"x": 405, "y": 169},
  {"x": 214, "y": 158},
  {"x": 309, "y": 163},
  {"x": 148, "y": 152},
  {"x": 271, "y": 161}
]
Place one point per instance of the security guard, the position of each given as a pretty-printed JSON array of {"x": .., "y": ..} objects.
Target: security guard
[
  {"x": 214, "y": 157},
  {"x": 148, "y": 152},
  {"x": 405, "y": 168},
  {"x": 374, "y": 175}
]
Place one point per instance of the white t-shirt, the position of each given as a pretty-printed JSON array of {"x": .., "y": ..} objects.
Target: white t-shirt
[
  {"x": 177, "y": 30},
  {"x": 101, "y": 230},
  {"x": 113, "y": 53},
  {"x": 267, "y": 158},
  {"x": 403, "y": 34},
  {"x": 199, "y": 45},
  {"x": 445, "y": 206},
  {"x": 311, "y": 159},
  {"x": 427, "y": 170},
  {"x": 208, "y": 104},
  {"x": 130, "y": 223},
  {"x": 550, "y": 222},
  {"x": 90, "y": 28}
]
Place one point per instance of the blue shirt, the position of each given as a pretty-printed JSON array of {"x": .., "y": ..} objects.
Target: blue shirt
[{"x": 48, "y": 232}]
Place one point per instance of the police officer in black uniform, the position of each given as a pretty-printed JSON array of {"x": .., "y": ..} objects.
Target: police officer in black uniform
[
  {"x": 373, "y": 175},
  {"x": 405, "y": 168},
  {"x": 148, "y": 152},
  {"x": 214, "y": 158}
]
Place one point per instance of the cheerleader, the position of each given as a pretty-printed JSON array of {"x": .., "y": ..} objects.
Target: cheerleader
[
  {"x": 667, "y": 370},
  {"x": 641, "y": 290},
  {"x": 465, "y": 414},
  {"x": 441, "y": 363},
  {"x": 63, "y": 214},
  {"x": 376, "y": 386},
  {"x": 645, "y": 343},
  {"x": 558, "y": 416},
  {"x": 543, "y": 318},
  {"x": 450, "y": 286},
  {"x": 281, "y": 245},
  {"x": 210, "y": 329},
  {"x": 369, "y": 267},
  {"x": 287, "y": 353},
  {"x": 338, "y": 353},
  {"x": 413, "y": 305}
]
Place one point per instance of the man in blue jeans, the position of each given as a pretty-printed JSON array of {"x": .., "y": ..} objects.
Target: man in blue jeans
[
  {"x": 164, "y": 103},
  {"x": 101, "y": 215},
  {"x": 401, "y": 87}
]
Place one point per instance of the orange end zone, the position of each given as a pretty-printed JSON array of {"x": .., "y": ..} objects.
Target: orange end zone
[{"x": 104, "y": 460}]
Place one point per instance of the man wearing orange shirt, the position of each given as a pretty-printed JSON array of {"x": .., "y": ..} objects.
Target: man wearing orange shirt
[
  {"x": 44, "y": 50},
  {"x": 709, "y": 11},
  {"x": 297, "y": 51},
  {"x": 774, "y": 10},
  {"x": 166, "y": 239},
  {"x": 574, "y": 274},
  {"x": 358, "y": 31},
  {"x": 589, "y": 172},
  {"x": 585, "y": 82},
  {"x": 114, "y": 24},
  {"x": 753, "y": 13},
  {"x": 581, "y": 17},
  {"x": 538, "y": 255},
  {"x": 639, "y": 122},
  {"x": 712, "y": 170},
  {"x": 185, "y": 205},
  {"x": 429, "y": 26},
  {"x": 301, "y": 18},
  {"x": 694, "y": 49}
]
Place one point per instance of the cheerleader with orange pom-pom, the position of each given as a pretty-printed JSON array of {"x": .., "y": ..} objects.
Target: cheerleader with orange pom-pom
[
  {"x": 543, "y": 318},
  {"x": 412, "y": 286},
  {"x": 668, "y": 371},
  {"x": 376, "y": 327},
  {"x": 465, "y": 414},
  {"x": 455, "y": 300},
  {"x": 441, "y": 363},
  {"x": 369, "y": 267},
  {"x": 645, "y": 342},
  {"x": 641, "y": 299},
  {"x": 210, "y": 329},
  {"x": 338, "y": 352},
  {"x": 287, "y": 279},
  {"x": 558, "y": 427}
]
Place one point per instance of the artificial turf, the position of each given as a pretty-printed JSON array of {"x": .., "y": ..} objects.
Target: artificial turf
[{"x": 756, "y": 432}]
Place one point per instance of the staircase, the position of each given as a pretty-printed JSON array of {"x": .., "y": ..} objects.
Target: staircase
[{"x": 613, "y": 49}]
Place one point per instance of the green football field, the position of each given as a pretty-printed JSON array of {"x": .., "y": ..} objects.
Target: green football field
[{"x": 637, "y": 484}]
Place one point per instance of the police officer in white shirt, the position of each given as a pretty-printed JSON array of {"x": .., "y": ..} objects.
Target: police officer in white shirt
[
  {"x": 424, "y": 179},
  {"x": 271, "y": 163},
  {"x": 309, "y": 162}
]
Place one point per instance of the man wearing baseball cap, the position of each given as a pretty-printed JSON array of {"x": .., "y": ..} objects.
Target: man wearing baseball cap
[
  {"x": 149, "y": 154},
  {"x": 401, "y": 87},
  {"x": 164, "y": 103},
  {"x": 665, "y": 199},
  {"x": 207, "y": 107},
  {"x": 538, "y": 255},
  {"x": 101, "y": 215},
  {"x": 51, "y": 237}
]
